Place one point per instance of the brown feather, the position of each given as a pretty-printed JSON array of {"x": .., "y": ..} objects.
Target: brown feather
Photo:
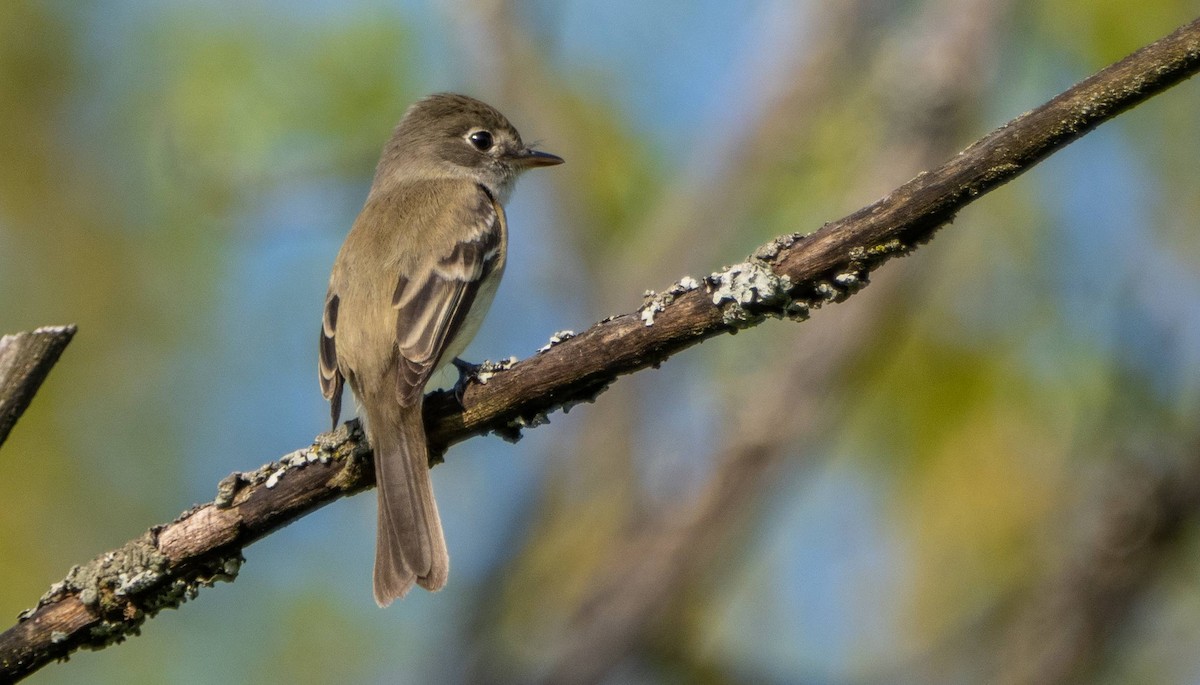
[
  {"x": 330, "y": 376},
  {"x": 408, "y": 290}
]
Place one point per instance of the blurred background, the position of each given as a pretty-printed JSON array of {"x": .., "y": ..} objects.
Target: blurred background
[{"x": 983, "y": 468}]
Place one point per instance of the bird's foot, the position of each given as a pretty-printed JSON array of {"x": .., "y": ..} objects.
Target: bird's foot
[{"x": 466, "y": 373}]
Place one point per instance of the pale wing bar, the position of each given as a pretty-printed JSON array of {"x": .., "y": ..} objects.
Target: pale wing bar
[{"x": 432, "y": 305}]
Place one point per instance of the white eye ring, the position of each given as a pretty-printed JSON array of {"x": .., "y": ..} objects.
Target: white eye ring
[{"x": 481, "y": 140}]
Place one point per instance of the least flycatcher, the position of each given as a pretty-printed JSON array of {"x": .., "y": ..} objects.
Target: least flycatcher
[{"x": 409, "y": 289}]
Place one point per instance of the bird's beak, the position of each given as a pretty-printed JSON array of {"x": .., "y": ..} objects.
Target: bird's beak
[{"x": 529, "y": 158}]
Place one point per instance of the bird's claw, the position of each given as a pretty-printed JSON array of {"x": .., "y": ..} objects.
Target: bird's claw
[{"x": 466, "y": 373}]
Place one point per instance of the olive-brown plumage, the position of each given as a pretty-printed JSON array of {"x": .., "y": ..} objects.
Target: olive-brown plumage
[{"x": 408, "y": 291}]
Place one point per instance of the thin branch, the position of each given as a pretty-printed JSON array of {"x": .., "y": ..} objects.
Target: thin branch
[
  {"x": 646, "y": 582},
  {"x": 25, "y": 360},
  {"x": 107, "y": 599}
]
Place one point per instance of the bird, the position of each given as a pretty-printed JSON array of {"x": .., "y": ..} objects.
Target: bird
[{"x": 407, "y": 292}]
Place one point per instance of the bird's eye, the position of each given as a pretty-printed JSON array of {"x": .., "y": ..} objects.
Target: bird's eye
[{"x": 482, "y": 140}]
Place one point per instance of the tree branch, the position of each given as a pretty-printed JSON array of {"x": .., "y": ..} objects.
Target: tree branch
[
  {"x": 25, "y": 360},
  {"x": 107, "y": 599},
  {"x": 640, "y": 595}
]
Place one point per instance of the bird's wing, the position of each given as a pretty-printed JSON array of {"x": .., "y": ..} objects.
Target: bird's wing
[
  {"x": 331, "y": 377},
  {"x": 432, "y": 300}
]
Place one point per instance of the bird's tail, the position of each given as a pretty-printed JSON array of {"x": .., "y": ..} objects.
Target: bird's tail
[{"x": 410, "y": 547}]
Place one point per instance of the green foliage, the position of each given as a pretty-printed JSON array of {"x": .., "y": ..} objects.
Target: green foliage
[{"x": 144, "y": 161}]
